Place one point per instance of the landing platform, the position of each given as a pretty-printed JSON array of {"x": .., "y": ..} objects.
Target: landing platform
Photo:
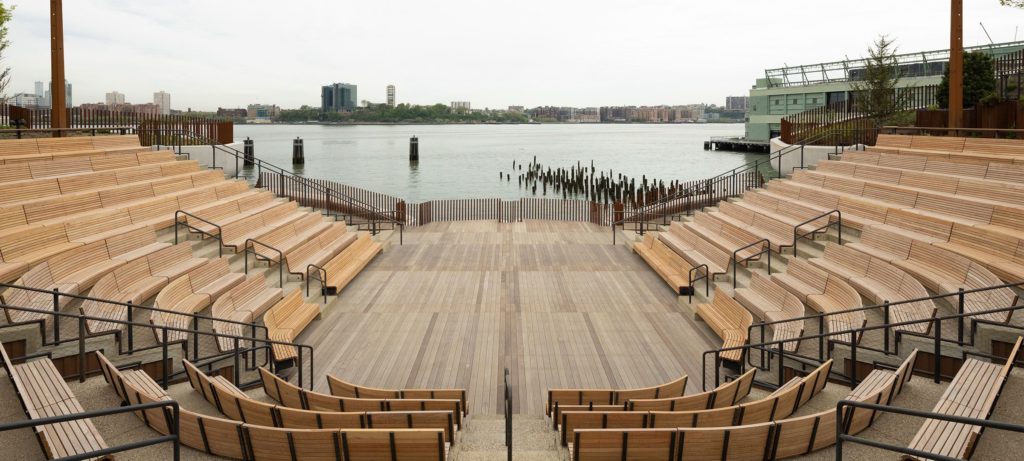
[{"x": 555, "y": 302}]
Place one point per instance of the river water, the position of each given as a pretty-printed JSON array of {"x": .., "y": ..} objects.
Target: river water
[{"x": 463, "y": 161}]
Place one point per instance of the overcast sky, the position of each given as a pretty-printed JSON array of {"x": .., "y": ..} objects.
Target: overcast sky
[{"x": 229, "y": 53}]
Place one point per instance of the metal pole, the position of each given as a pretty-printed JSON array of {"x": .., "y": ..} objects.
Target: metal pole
[
  {"x": 235, "y": 370},
  {"x": 960, "y": 313},
  {"x": 131, "y": 332},
  {"x": 885, "y": 342},
  {"x": 163, "y": 360},
  {"x": 56, "y": 317},
  {"x": 81, "y": 349},
  {"x": 938, "y": 351}
]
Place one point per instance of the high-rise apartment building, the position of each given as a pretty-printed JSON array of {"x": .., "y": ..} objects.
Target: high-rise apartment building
[
  {"x": 40, "y": 92},
  {"x": 391, "y": 95},
  {"x": 25, "y": 100},
  {"x": 162, "y": 99},
  {"x": 460, "y": 106},
  {"x": 338, "y": 97},
  {"x": 115, "y": 98},
  {"x": 737, "y": 103}
]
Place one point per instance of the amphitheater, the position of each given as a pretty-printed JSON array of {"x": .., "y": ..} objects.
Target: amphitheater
[{"x": 859, "y": 307}]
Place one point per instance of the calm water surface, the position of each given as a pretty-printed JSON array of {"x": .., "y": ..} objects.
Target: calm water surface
[{"x": 463, "y": 161}]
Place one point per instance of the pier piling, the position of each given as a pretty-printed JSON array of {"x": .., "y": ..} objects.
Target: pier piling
[{"x": 298, "y": 152}]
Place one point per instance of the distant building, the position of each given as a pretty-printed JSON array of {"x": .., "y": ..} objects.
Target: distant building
[
  {"x": 232, "y": 113},
  {"x": 391, "y": 95},
  {"x": 262, "y": 111},
  {"x": 162, "y": 100},
  {"x": 40, "y": 91},
  {"x": 461, "y": 106},
  {"x": 517, "y": 109},
  {"x": 25, "y": 100},
  {"x": 141, "y": 109},
  {"x": 652, "y": 114},
  {"x": 114, "y": 98},
  {"x": 738, "y": 103},
  {"x": 338, "y": 97}
]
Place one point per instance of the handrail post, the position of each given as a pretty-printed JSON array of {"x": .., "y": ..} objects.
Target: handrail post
[
  {"x": 960, "y": 315},
  {"x": 886, "y": 330},
  {"x": 235, "y": 371},
  {"x": 81, "y": 349},
  {"x": 131, "y": 332},
  {"x": 56, "y": 317},
  {"x": 298, "y": 364},
  {"x": 782, "y": 374},
  {"x": 853, "y": 358},
  {"x": 938, "y": 350},
  {"x": 195, "y": 338},
  {"x": 821, "y": 338},
  {"x": 163, "y": 359}
]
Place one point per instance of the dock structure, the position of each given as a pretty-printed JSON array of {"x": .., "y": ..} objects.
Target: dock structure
[{"x": 737, "y": 145}]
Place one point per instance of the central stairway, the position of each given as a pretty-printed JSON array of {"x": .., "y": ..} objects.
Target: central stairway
[{"x": 483, "y": 438}]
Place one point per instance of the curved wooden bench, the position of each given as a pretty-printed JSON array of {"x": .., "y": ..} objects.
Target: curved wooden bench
[
  {"x": 288, "y": 237},
  {"x": 726, "y": 237},
  {"x": 729, "y": 320},
  {"x": 190, "y": 294},
  {"x": 32, "y": 190},
  {"x": 228, "y": 211},
  {"x": 772, "y": 303},
  {"x": 785, "y": 211},
  {"x": 780, "y": 404},
  {"x": 320, "y": 249},
  {"x": 292, "y": 396},
  {"x": 43, "y": 393},
  {"x": 245, "y": 302},
  {"x": 235, "y": 404},
  {"x": 135, "y": 282},
  {"x": 234, "y": 234},
  {"x": 825, "y": 293},
  {"x": 695, "y": 249},
  {"x": 558, "y": 398},
  {"x": 344, "y": 267},
  {"x": 285, "y": 320},
  {"x": 779, "y": 439},
  {"x": 778, "y": 233},
  {"x": 879, "y": 281},
  {"x": 76, "y": 270},
  {"x": 672, "y": 268},
  {"x": 343, "y": 388},
  {"x": 237, "y": 440},
  {"x": 972, "y": 394}
]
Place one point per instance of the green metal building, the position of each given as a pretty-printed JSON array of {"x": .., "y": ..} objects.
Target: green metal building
[{"x": 793, "y": 89}]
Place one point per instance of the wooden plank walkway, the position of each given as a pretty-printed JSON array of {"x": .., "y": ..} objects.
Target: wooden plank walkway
[{"x": 553, "y": 301}]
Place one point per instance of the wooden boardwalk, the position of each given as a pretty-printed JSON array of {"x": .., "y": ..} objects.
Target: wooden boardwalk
[{"x": 553, "y": 301}]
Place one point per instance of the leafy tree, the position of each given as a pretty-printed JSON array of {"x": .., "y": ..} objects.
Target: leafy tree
[
  {"x": 876, "y": 94},
  {"x": 979, "y": 80},
  {"x": 1016, "y": 3},
  {"x": 5, "y": 72}
]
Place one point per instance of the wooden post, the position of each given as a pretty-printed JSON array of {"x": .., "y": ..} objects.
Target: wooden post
[
  {"x": 956, "y": 65},
  {"x": 59, "y": 112}
]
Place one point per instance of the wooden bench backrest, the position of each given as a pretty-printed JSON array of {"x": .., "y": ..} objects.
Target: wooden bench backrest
[
  {"x": 733, "y": 442},
  {"x": 619, "y": 444},
  {"x": 1008, "y": 172},
  {"x": 66, "y": 263},
  {"x": 941, "y": 143},
  {"x": 61, "y": 206},
  {"x": 208, "y": 273},
  {"x": 115, "y": 141},
  {"x": 808, "y": 274},
  {"x": 890, "y": 194},
  {"x": 993, "y": 243},
  {"x": 18, "y": 244},
  {"x": 888, "y": 242},
  {"x": 848, "y": 258},
  {"x": 283, "y": 308},
  {"x": 958, "y": 207},
  {"x": 894, "y": 140},
  {"x": 128, "y": 241}
]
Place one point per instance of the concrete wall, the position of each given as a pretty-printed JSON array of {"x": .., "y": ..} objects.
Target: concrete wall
[
  {"x": 204, "y": 154},
  {"x": 811, "y": 154}
]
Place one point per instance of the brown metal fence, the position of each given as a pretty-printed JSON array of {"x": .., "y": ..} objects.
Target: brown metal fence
[{"x": 152, "y": 128}]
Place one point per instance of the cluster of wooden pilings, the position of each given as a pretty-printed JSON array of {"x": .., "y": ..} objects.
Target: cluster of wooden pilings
[{"x": 589, "y": 183}]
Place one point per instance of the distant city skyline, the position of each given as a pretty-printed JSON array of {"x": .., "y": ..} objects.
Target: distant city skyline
[{"x": 662, "y": 52}]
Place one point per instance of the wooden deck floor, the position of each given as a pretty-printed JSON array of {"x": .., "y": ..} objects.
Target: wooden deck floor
[{"x": 553, "y": 301}]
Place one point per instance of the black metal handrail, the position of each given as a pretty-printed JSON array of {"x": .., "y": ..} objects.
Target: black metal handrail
[
  {"x": 809, "y": 234},
  {"x": 766, "y": 247},
  {"x": 706, "y": 276},
  {"x": 842, "y": 436},
  {"x": 130, "y": 310},
  {"x": 172, "y": 426},
  {"x": 690, "y": 191},
  {"x": 261, "y": 164},
  {"x": 321, "y": 276},
  {"x": 237, "y": 352},
  {"x": 250, "y": 246},
  {"x": 776, "y": 347},
  {"x": 508, "y": 415},
  {"x": 217, "y": 236}
]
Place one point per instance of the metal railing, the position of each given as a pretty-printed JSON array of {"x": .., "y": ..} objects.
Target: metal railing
[
  {"x": 178, "y": 222},
  {"x": 258, "y": 344},
  {"x": 774, "y": 350},
  {"x": 173, "y": 420},
  {"x": 843, "y": 437},
  {"x": 250, "y": 246},
  {"x": 811, "y": 233},
  {"x": 711, "y": 190},
  {"x": 1016, "y": 133},
  {"x": 311, "y": 190},
  {"x": 508, "y": 415}
]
